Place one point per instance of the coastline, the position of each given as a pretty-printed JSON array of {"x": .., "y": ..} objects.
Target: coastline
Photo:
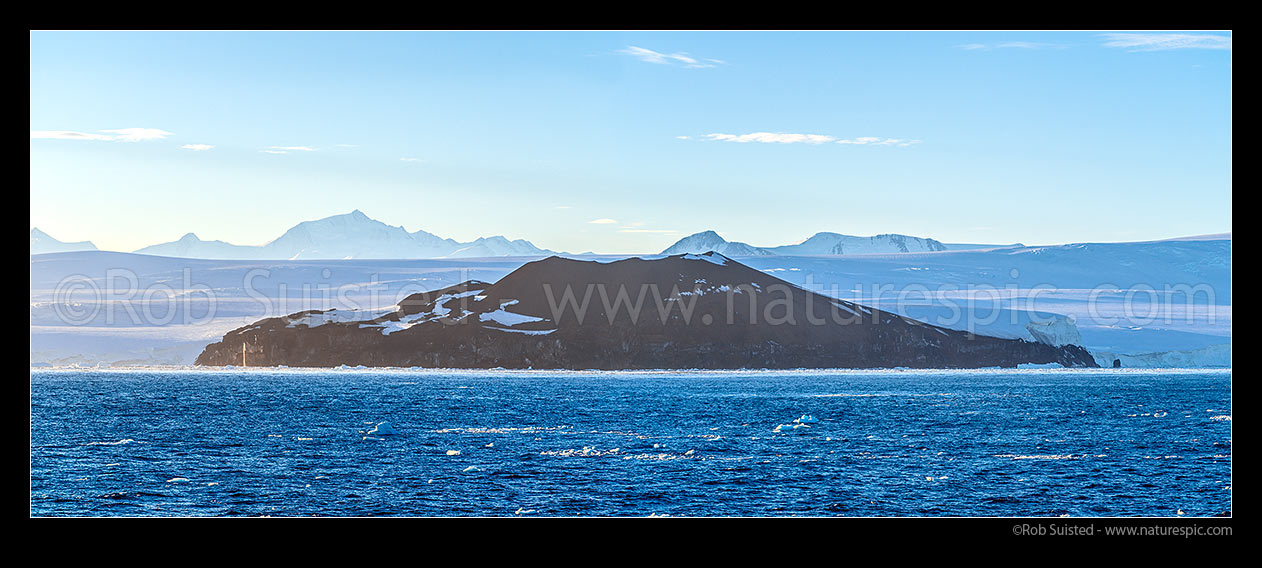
[{"x": 424, "y": 371}]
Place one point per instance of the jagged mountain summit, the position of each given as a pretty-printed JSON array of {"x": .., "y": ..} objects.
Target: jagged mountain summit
[
  {"x": 42, "y": 243},
  {"x": 347, "y": 236},
  {"x": 682, "y": 311},
  {"x": 819, "y": 244}
]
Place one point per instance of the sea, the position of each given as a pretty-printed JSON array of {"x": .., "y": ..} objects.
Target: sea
[{"x": 889, "y": 443}]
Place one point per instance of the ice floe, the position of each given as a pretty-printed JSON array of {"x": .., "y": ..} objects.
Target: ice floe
[
  {"x": 383, "y": 429},
  {"x": 116, "y": 443}
]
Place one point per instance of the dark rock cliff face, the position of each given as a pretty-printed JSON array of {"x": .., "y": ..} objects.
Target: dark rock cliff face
[{"x": 680, "y": 312}]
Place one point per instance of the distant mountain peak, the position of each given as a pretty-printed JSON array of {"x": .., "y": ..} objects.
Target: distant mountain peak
[
  {"x": 42, "y": 242},
  {"x": 829, "y": 243},
  {"x": 710, "y": 241},
  {"x": 346, "y": 235}
]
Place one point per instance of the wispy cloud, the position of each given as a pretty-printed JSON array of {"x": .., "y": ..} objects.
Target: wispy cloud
[
  {"x": 794, "y": 138},
  {"x": 876, "y": 141},
  {"x": 683, "y": 59},
  {"x": 286, "y": 149},
  {"x": 273, "y": 151},
  {"x": 67, "y": 135},
  {"x": 657, "y": 231},
  {"x": 138, "y": 134},
  {"x": 1165, "y": 41},
  {"x": 411, "y": 159},
  {"x": 772, "y": 138},
  {"x": 197, "y": 147},
  {"x": 1010, "y": 45},
  {"x": 117, "y": 135},
  {"x": 638, "y": 227},
  {"x": 605, "y": 221}
]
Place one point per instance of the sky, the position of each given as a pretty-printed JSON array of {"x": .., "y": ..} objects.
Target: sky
[{"x": 624, "y": 142}]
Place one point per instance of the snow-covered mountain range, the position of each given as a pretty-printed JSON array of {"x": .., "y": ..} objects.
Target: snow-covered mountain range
[
  {"x": 819, "y": 244},
  {"x": 353, "y": 235},
  {"x": 42, "y": 243}
]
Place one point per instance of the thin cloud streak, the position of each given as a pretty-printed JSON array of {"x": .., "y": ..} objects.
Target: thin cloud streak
[
  {"x": 138, "y": 134},
  {"x": 876, "y": 141},
  {"x": 116, "y": 135},
  {"x": 1165, "y": 42},
  {"x": 687, "y": 61},
  {"x": 1010, "y": 45},
  {"x": 795, "y": 138},
  {"x": 292, "y": 148},
  {"x": 772, "y": 138},
  {"x": 652, "y": 231}
]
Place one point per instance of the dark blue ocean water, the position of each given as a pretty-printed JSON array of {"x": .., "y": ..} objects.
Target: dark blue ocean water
[{"x": 293, "y": 443}]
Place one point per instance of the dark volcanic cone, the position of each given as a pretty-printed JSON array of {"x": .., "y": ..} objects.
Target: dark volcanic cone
[{"x": 684, "y": 311}]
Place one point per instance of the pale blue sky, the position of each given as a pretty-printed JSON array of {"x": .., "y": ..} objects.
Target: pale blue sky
[{"x": 766, "y": 138}]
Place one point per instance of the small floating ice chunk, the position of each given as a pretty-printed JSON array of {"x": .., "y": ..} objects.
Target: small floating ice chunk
[
  {"x": 118, "y": 443},
  {"x": 471, "y": 468},
  {"x": 453, "y": 452},
  {"x": 383, "y": 429},
  {"x": 177, "y": 480},
  {"x": 806, "y": 419}
]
